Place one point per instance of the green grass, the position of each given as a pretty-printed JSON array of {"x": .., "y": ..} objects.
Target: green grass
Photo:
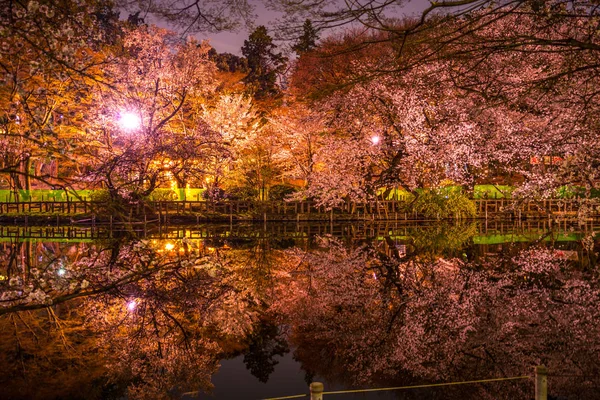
[
  {"x": 492, "y": 191},
  {"x": 75, "y": 195},
  {"x": 44, "y": 195}
]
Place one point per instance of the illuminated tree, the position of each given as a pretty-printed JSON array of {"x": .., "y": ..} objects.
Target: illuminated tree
[
  {"x": 49, "y": 60},
  {"x": 299, "y": 136},
  {"x": 149, "y": 129}
]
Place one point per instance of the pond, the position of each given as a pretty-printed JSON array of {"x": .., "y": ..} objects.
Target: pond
[{"x": 252, "y": 312}]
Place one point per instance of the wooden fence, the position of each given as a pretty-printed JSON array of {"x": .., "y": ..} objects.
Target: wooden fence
[{"x": 389, "y": 210}]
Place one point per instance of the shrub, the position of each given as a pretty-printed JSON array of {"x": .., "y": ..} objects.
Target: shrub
[
  {"x": 242, "y": 193},
  {"x": 162, "y": 194},
  {"x": 444, "y": 203},
  {"x": 281, "y": 192},
  {"x": 105, "y": 204}
]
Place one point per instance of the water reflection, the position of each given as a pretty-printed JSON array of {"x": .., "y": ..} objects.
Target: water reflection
[{"x": 151, "y": 315}]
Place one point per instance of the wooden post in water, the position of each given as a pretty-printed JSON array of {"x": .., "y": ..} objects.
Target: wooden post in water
[
  {"x": 316, "y": 391},
  {"x": 541, "y": 383}
]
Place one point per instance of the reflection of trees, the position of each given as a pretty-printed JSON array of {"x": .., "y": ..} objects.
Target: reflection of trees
[
  {"x": 151, "y": 318},
  {"x": 48, "y": 354},
  {"x": 265, "y": 344},
  {"x": 143, "y": 318},
  {"x": 357, "y": 318},
  {"x": 443, "y": 239}
]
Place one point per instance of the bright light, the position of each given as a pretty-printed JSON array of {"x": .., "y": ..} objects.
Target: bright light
[
  {"x": 61, "y": 272},
  {"x": 131, "y": 305},
  {"x": 375, "y": 139},
  {"x": 129, "y": 121},
  {"x": 169, "y": 246}
]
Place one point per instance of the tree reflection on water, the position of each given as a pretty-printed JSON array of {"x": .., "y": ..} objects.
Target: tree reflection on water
[{"x": 152, "y": 318}]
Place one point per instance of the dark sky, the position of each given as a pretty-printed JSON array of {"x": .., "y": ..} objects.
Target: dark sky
[
  {"x": 231, "y": 42},
  {"x": 228, "y": 42}
]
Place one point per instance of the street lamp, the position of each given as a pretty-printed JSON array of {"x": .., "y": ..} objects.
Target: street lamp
[
  {"x": 131, "y": 305},
  {"x": 129, "y": 121}
]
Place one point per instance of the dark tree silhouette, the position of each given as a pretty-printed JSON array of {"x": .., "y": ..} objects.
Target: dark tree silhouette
[
  {"x": 308, "y": 40},
  {"x": 264, "y": 63}
]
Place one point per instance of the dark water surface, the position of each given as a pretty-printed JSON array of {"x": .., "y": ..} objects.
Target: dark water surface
[{"x": 253, "y": 312}]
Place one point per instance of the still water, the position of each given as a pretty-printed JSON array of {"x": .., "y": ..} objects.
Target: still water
[{"x": 252, "y": 312}]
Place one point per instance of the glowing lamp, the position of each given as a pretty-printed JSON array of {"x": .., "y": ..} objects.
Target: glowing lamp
[
  {"x": 131, "y": 305},
  {"x": 129, "y": 121}
]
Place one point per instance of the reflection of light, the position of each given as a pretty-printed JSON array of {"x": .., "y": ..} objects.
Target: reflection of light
[
  {"x": 131, "y": 305},
  {"x": 169, "y": 246},
  {"x": 375, "y": 139},
  {"x": 61, "y": 272},
  {"x": 129, "y": 121}
]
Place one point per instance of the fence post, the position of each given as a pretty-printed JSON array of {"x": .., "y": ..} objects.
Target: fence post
[
  {"x": 316, "y": 391},
  {"x": 541, "y": 383}
]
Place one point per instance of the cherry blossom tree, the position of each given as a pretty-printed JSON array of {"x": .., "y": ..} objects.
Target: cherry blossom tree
[
  {"x": 299, "y": 135},
  {"x": 464, "y": 116},
  {"x": 49, "y": 58},
  {"x": 146, "y": 129},
  {"x": 234, "y": 117}
]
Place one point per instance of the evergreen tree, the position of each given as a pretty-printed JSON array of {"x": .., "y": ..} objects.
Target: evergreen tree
[
  {"x": 264, "y": 63},
  {"x": 308, "y": 40},
  {"x": 227, "y": 62}
]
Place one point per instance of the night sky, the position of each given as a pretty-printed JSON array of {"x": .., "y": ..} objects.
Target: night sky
[{"x": 231, "y": 42}]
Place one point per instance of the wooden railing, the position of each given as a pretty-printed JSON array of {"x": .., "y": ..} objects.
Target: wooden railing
[
  {"x": 391, "y": 209},
  {"x": 51, "y": 207}
]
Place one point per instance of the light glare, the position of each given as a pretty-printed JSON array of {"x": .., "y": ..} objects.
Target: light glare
[{"x": 129, "y": 121}]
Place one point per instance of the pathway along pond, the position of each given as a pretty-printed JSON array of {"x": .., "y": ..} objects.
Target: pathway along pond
[{"x": 259, "y": 311}]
